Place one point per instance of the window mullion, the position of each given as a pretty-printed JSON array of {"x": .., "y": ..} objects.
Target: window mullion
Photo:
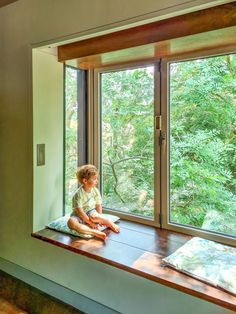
[
  {"x": 157, "y": 133},
  {"x": 165, "y": 146},
  {"x": 90, "y": 118}
]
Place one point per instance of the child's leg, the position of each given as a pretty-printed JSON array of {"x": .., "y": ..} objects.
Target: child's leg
[
  {"x": 98, "y": 218},
  {"x": 77, "y": 226}
]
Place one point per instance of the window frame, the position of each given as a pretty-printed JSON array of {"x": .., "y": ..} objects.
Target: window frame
[
  {"x": 96, "y": 134},
  {"x": 161, "y": 101},
  {"x": 166, "y": 224},
  {"x": 82, "y": 118}
]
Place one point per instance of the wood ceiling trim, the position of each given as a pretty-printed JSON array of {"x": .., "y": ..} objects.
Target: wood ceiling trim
[
  {"x": 214, "y": 18},
  {"x": 6, "y": 2}
]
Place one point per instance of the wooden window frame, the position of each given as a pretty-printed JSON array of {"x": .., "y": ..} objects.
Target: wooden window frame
[{"x": 204, "y": 29}]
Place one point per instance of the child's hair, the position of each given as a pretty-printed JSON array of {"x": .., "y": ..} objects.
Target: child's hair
[{"x": 86, "y": 172}]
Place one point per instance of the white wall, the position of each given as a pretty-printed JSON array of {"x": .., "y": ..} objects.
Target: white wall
[{"x": 37, "y": 22}]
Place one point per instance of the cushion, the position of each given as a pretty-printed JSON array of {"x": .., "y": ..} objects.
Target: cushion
[
  {"x": 60, "y": 224},
  {"x": 206, "y": 260}
]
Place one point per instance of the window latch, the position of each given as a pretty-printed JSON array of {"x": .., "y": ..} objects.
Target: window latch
[
  {"x": 158, "y": 122},
  {"x": 162, "y": 138}
]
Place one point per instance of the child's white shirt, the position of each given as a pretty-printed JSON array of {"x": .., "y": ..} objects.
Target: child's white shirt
[{"x": 86, "y": 200}]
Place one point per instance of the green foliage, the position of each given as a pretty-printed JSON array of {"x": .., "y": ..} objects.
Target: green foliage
[
  {"x": 199, "y": 177},
  {"x": 202, "y": 158},
  {"x": 127, "y": 140}
]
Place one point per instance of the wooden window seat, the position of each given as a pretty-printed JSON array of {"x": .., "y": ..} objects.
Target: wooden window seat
[{"x": 143, "y": 248}]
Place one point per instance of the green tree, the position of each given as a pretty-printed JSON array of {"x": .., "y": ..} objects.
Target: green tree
[
  {"x": 203, "y": 111},
  {"x": 127, "y": 117}
]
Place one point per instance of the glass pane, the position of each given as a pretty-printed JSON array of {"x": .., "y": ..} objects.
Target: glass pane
[
  {"x": 127, "y": 101},
  {"x": 202, "y": 143},
  {"x": 71, "y": 133}
]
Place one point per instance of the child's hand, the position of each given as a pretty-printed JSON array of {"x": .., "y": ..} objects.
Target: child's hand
[{"x": 93, "y": 225}]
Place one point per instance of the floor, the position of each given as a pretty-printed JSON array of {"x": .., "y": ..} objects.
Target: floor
[{"x": 16, "y": 297}]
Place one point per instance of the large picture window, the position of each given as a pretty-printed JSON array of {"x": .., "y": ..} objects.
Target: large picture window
[
  {"x": 164, "y": 141},
  {"x": 202, "y": 120}
]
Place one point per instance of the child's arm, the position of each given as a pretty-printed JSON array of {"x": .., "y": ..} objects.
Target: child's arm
[
  {"x": 98, "y": 200},
  {"x": 85, "y": 218},
  {"x": 99, "y": 208}
]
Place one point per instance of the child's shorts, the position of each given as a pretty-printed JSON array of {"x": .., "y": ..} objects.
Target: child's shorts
[{"x": 88, "y": 213}]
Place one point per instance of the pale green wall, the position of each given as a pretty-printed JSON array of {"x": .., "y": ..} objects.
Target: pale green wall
[
  {"x": 35, "y": 22},
  {"x": 48, "y": 129}
]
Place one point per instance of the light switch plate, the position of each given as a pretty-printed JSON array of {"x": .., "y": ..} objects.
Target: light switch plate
[{"x": 40, "y": 154}]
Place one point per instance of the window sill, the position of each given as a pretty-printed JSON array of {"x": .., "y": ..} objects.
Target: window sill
[{"x": 143, "y": 248}]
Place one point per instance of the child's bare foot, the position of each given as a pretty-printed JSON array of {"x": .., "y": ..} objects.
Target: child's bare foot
[
  {"x": 115, "y": 228},
  {"x": 101, "y": 235}
]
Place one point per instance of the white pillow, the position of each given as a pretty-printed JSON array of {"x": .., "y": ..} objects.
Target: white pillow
[
  {"x": 206, "y": 260},
  {"x": 60, "y": 224}
]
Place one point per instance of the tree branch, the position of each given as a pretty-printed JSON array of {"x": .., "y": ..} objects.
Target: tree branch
[
  {"x": 124, "y": 159},
  {"x": 116, "y": 180}
]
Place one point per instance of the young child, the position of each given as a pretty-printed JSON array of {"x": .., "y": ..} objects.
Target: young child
[{"x": 87, "y": 205}]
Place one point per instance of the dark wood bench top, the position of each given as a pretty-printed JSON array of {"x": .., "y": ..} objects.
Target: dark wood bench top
[{"x": 139, "y": 249}]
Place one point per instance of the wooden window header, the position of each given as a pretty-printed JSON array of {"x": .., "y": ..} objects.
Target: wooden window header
[
  {"x": 157, "y": 36},
  {"x": 6, "y": 2}
]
